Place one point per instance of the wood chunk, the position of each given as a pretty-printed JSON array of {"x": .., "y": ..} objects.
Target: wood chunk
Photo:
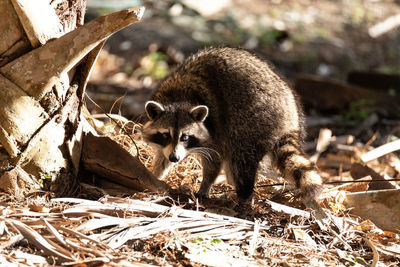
[
  {"x": 20, "y": 117},
  {"x": 384, "y": 26},
  {"x": 336, "y": 161},
  {"x": 108, "y": 159},
  {"x": 18, "y": 183},
  {"x": 359, "y": 171},
  {"x": 381, "y": 207},
  {"x": 38, "y": 71},
  {"x": 370, "y": 79},
  {"x": 381, "y": 151},
  {"x": 354, "y": 187},
  {"x": 39, "y": 20},
  {"x": 337, "y": 96},
  {"x": 13, "y": 41}
]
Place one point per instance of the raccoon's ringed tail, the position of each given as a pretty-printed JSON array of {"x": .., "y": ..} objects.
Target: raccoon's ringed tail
[{"x": 296, "y": 167}]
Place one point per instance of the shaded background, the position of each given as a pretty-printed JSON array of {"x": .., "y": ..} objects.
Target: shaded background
[{"x": 329, "y": 39}]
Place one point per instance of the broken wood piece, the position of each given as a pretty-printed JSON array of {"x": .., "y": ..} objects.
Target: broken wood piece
[
  {"x": 288, "y": 210},
  {"x": 39, "y": 20},
  {"x": 334, "y": 141},
  {"x": 336, "y": 96},
  {"x": 13, "y": 39},
  {"x": 380, "y": 206},
  {"x": 108, "y": 159},
  {"x": 20, "y": 117},
  {"x": 335, "y": 161},
  {"x": 324, "y": 139},
  {"x": 375, "y": 80},
  {"x": 354, "y": 187},
  {"x": 18, "y": 183},
  {"x": 381, "y": 151},
  {"x": 359, "y": 170},
  {"x": 385, "y": 26},
  {"x": 38, "y": 79}
]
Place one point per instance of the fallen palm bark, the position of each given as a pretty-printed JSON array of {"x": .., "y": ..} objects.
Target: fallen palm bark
[
  {"x": 107, "y": 158},
  {"x": 42, "y": 85},
  {"x": 80, "y": 42},
  {"x": 380, "y": 206},
  {"x": 105, "y": 231}
]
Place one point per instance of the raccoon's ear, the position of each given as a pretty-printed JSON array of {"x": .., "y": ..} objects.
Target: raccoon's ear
[
  {"x": 153, "y": 109},
  {"x": 199, "y": 113}
]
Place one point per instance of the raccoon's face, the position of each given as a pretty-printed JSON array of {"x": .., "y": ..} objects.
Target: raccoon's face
[{"x": 177, "y": 129}]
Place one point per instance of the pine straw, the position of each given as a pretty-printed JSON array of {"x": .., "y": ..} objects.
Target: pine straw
[{"x": 149, "y": 229}]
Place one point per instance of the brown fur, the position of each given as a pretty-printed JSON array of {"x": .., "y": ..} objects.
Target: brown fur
[{"x": 251, "y": 112}]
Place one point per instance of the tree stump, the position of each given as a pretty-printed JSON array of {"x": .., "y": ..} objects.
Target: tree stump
[{"x": 45, "y": 63}]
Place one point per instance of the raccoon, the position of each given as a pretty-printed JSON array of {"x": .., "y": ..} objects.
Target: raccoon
[{"x": 229, "y": 107}]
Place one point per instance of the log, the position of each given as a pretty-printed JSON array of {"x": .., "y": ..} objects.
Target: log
[
  {"x": 375, "y": 80},
  {"x": 330, "y": 95}
]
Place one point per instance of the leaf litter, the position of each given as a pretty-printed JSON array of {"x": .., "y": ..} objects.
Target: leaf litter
[{"x": 148, "y": 229}]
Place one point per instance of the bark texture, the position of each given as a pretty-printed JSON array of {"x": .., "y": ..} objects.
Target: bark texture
[{"x": 45, "y": 62}]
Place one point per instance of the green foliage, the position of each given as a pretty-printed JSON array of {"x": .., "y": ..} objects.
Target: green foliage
[
  {"x": 390, "y": 69},
  {"x": 392, "y": 92},
  {"x": 359, "y": 110},
  {"x": 44, "y": 177},
  {"x": 155, "y": 65},
  {"x": 271, "y": 37},
  {"x": 356, "y": 260},
  {"x": 204, "y": 244}
]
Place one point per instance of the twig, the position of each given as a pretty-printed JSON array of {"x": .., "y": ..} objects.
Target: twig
[
  {"x": 339, "y": 182},
  {"x": 253, "y": 241},
  {"x": 384, "y": 26},
  {"x": 122, "y": 128},
  {"x": 381, "y": 151},
  {"x": 374, "y": 252}
]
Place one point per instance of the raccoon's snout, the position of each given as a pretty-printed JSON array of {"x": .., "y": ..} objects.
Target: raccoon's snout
[
  {"x": 175, "y": 154},
  {"x": 174, "y": 157}
]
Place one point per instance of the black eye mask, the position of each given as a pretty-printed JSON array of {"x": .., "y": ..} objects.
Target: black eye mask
[
  {"x": 190, "y": 141},
  {"x": 162, "y": 139}
]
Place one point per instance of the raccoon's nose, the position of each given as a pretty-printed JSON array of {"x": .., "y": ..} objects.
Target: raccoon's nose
[{"x": 173, "y": 157}]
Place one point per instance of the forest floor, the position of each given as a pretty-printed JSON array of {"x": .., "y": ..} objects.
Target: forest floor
[{"x": 329, "y": 39}]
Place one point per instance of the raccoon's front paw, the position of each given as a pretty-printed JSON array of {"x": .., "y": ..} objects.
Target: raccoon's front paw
[
  {"x": 311, "y": 185},
  {"x": 201, "y": 195},
  {"x": 312, "y": 191}
]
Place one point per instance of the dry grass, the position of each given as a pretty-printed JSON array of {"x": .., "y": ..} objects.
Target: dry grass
[{"x": 150, "y": 229}]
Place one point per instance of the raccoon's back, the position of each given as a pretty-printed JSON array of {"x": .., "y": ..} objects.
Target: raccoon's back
[{"x": 242, "y": 92}]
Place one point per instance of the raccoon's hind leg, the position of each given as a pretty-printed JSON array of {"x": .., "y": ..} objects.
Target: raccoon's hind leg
[
  {"x": 161, "y": 165},
  {"x": 243, "y": 167},
  {"x": 211, "y": 169},
  {"x": 295, "y": 166}
]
